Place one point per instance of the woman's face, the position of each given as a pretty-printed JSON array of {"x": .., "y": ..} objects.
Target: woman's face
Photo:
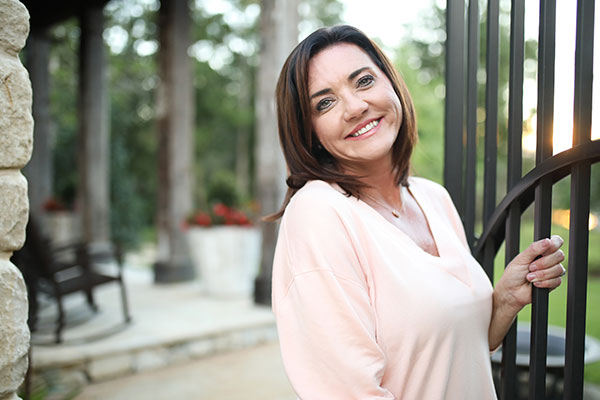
[{"x": 356, "y": 114}]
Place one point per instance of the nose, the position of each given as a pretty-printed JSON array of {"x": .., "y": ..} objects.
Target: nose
[{"x": 355, "y": 106}]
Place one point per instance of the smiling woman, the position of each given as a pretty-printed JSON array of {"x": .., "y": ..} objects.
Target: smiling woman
[
  {"x": 375, "y": 291},
  {"x": 356, "y": 113}
]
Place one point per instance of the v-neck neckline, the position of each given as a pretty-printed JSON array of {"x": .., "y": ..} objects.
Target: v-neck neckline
[{"x": 448, "y": 260}]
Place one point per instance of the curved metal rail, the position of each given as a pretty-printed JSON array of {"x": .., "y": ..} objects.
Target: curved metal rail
[{"x": 556, "y": 167}]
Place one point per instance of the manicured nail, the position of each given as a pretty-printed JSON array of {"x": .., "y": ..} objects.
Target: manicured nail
[
  {"x": 531, "y": 277},
  {"x": 533, "y": 267}
]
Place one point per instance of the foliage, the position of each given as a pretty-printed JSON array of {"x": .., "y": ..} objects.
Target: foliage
[
  {"x": 558, "y": 298},
  {"x": 428, "y": 102},
  {"x": 224, "y": 55},
  {"x": 222, "y": 188}
]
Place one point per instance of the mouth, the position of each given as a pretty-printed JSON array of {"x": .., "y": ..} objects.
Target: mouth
[{"x": 365, "y": 129}]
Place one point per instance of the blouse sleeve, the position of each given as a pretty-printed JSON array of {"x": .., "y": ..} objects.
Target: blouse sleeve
[{"x": 326, "y": 324}]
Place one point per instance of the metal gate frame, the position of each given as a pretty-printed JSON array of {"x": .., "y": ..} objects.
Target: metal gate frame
[{"x": 501, "y": 222}]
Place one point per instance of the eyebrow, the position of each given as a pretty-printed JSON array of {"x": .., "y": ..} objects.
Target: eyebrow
[{"x": 350, "y": 78}]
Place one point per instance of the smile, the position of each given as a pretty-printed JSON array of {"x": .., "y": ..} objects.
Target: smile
[{"x": 365, "y": 129}]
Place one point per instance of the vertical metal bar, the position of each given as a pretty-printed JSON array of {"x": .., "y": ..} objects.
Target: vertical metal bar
[
  {"x": 491, "y": 109},
  {"x": 471, "y": 149},
  {"x": 543, "y": 193},
  {"x": 580, "y": 204},
  {"x": 454, "y": 119},
  {"x": 577, "y": 283},
  {"x": 487, "y": 260},
  {"x": 514, "y": 169},
  {"x": 509, "y": 346},
  {"x": 515, "y": 96}
]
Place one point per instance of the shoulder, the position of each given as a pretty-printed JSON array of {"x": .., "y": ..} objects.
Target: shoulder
[
  {"x": 317, "y": 234},
  {"x": 318, "y": 228},
  {"x": 325, "y": 192},
  {"x": 430, "y": 189},
  {"x": 424, "y": 184},
  {"x": 316, "y": 202},
  {"x": 434, "y": 194}
]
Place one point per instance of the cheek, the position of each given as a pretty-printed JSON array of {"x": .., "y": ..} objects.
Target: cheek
[
  {"x": 323, "y": 126},
  {"x": 316, "y": 128}
]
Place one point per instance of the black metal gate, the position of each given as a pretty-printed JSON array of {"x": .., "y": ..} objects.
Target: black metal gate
[{"x": 502, "y": 221}]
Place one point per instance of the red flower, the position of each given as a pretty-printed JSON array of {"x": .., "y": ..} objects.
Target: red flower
[
  {"x": 53, "y": 204},
  {"x": 202, "y": 219},
  {"x": 220, "y": 214},
  {"x": 220, "y": 209}
]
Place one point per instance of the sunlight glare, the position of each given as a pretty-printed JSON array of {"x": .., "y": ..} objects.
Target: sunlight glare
[{"x": 562, "y": 218}]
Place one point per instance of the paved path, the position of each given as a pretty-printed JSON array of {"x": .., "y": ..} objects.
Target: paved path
[{"x": 249, "y": 374}]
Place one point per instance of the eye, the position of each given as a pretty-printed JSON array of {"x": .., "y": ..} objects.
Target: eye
[
  {"x": 324, "y": 103},
  {"x": 365, "y": 81}
]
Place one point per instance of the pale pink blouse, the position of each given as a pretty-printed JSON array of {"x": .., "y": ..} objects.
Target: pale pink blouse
[{"x": 364, "y": 313}]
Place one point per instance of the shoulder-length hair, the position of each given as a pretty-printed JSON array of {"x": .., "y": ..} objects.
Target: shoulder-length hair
[{"x": 305, "y": 159}]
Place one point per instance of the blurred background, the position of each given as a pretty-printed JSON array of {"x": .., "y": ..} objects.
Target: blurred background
[{"x": 162, "y": 179}]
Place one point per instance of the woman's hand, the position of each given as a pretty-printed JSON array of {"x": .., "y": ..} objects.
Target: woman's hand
[
  {"x": 540, "y": 265},
  {"x": 514, "y": 288}
]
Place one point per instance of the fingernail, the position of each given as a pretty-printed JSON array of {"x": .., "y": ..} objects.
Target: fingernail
[
  {"x": 533, "y": 267},
  {"x": 531, "y": 277}
]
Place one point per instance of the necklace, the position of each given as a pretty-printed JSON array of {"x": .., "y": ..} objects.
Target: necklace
[{"x": 395, "y": 213}]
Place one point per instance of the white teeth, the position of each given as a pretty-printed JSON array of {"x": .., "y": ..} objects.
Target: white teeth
[{"x": 366, "y": 128}]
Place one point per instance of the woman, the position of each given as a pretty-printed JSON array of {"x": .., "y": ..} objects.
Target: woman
[{"x": 375, "y": 292}]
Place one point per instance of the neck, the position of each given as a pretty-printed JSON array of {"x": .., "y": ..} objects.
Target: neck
[{"x": 382, "y": 187}]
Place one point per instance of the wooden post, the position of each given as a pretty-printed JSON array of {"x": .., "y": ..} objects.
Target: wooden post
[
  {"x": 279, "y": 33},
  {"x": 175, "y": 112},
  {"x": 94, "y": 137}
]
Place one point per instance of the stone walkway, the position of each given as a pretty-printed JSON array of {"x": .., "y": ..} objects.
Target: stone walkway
[{"x": 249, "y": 374}]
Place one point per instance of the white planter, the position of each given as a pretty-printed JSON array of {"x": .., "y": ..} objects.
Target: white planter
[
  {"x": 62, "y": 227},
  {"x": 227, "y": 259}
]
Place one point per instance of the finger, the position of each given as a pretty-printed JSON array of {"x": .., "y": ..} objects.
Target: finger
[
  {"x": 556, "y": 243},
  {"x": 547, "y": 261},
  {"x": 546, "y": 274},
  {"x": 549, "y": 283},
  {"x": 534, "y": 250}
]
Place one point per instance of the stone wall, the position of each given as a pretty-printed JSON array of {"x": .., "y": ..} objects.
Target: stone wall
[{"x": 16, "y": 140}]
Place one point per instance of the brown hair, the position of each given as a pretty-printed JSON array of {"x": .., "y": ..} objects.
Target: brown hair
[{"x": 305, "y": 159}]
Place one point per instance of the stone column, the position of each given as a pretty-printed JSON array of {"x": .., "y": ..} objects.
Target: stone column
[
  {"x": 16, "y": 140},
  {"x": 39, "y": 169},
  {"x": 175, "y": 113},
  {"x": 279, "y": 34},
  {"x": 94, "y": 137}
]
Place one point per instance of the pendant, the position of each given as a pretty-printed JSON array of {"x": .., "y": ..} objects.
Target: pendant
[{"x": 395, "y": 213}]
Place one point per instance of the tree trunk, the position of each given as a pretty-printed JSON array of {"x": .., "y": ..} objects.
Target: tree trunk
[{"x": 279, "y": 33}]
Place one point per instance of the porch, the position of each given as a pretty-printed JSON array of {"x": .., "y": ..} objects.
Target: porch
[{"x": 178, "y": 339}]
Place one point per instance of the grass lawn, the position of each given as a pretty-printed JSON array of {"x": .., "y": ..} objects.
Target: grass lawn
[{"x": 557, "y": 312}]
